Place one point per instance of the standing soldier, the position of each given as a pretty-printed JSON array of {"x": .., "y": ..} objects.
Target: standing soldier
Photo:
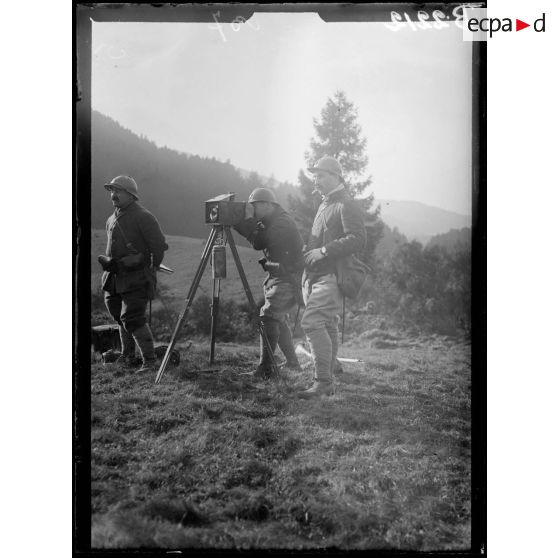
[
  {"x": 135, "y": 249},
  {"x": 338, "y": 230},
  {"x": 270, "y": 228}
]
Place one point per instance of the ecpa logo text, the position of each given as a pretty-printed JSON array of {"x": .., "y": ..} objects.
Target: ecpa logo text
[{"x": 494, "y": 24}]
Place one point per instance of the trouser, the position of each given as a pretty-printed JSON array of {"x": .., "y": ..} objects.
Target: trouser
[
  {"x": 127, "y": 343},
  {"x": 285, "y": 343},
  {"x": 280, "y": 298},
  {"x": 278, "y": 333},
  {"x": 320, "y": 323},
  {"x": 128, "y": 309}
]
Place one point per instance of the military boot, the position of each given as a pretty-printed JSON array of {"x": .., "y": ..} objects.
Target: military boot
[
  {"x": 285, "y": 343},
  {"x": 144, "y": 340},
  {"x": 148, "y": 365},
  {"x": 265, "y": 370},
  {"x": 333, "y": 332},
  {"x": 336, "y": 367},
  {"x": 127, "y": 358},
  {"x": 317, "y": 389},
  {"x": 320, "y": 347}
]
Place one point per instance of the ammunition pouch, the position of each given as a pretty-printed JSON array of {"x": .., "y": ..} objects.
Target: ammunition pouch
[
  {"x": 131, "y": 261},
  {"x": 351, "y": 273}
]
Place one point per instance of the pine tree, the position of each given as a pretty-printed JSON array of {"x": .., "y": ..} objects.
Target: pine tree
[{"x": 338, "y": 134}]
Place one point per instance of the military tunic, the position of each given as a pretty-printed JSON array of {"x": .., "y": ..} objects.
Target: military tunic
[
  {"x": 132, "y": 231},
  {"x": 278, "y": 237}
]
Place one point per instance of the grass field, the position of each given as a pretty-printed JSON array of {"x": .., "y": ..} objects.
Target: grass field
[{"x": 214, "y": 459}]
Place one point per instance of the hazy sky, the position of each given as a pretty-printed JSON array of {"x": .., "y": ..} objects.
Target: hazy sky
[{"x": 251, "y": 98}]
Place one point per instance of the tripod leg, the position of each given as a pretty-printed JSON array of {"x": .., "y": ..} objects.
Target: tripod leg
[
  {"x": 214, "y": 314},
  {"x": 343, "y": 326},
  {"x": 189, "y": 299},
  {"x": 263, "y": 333},
  {"x": 250, "y": 298},
  {"x": 238, "y": 263}
]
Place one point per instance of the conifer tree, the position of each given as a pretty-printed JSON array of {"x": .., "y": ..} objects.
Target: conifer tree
[{"x": 338, "y": 134}]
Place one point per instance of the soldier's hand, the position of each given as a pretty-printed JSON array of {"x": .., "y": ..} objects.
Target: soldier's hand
[
  {"x": 108, "y": 264},
  {"x": 312, "y": 257},
  {"x": 269, "y": 266},
  {"x": 272, "y": 266},
  {"x": 248, "y": 211}
]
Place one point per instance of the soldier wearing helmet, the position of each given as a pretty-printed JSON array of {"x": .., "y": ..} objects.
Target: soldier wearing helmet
[
  {"x": 270, "y": 228},
  {"x": 135, "y": 249},
  {"x": 338, "y": 231}
]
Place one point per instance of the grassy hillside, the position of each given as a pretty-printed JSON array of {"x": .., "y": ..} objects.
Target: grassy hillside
[
  {"x": 215, "y": 459},
  {"x": 172, "y": 184},
  {"x": 184, "y": 255}
]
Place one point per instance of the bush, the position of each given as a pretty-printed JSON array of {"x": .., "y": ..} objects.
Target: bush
[{"x": 425, "y": 287}]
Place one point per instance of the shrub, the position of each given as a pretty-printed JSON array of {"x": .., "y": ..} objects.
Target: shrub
[{"x": 425, "y": 287}]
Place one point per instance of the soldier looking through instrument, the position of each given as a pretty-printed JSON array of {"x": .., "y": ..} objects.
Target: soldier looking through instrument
[{"x": 270, "y": 228}]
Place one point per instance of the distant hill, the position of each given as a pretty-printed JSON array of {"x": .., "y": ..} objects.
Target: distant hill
[{"x": 418, "y": 221}]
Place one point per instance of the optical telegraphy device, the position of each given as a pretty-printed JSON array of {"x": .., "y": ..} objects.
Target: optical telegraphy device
[{"x": 224, "y": 211}]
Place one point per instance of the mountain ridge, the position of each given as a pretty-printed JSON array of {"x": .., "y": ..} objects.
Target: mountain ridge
[{"x": 420, "y": 221}]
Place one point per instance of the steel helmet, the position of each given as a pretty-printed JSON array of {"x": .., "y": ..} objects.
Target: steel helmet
[
  {"x": 328, "y": 164},
  {"x": 263, "y": 195},
  {"x": 124, "y": 182}
]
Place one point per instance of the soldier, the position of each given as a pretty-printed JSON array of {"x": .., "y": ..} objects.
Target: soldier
[
  {"x": 270, "y": 228},
  {"x": 135, "y": 249},
  {"x": 338, "y": 230}
]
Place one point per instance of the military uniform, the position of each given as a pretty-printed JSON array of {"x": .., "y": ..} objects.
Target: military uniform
[
  {"x": 339, "y": 229},
  {"x": 277, "y": 235},
  {"x": 137, "y": 245}
]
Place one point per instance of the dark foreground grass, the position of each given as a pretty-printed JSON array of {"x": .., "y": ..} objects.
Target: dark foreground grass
[{"x": 214, "y": 459}]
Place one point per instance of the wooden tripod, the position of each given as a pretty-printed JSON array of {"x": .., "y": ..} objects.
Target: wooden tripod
[{"x": 220, "y": 235}]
